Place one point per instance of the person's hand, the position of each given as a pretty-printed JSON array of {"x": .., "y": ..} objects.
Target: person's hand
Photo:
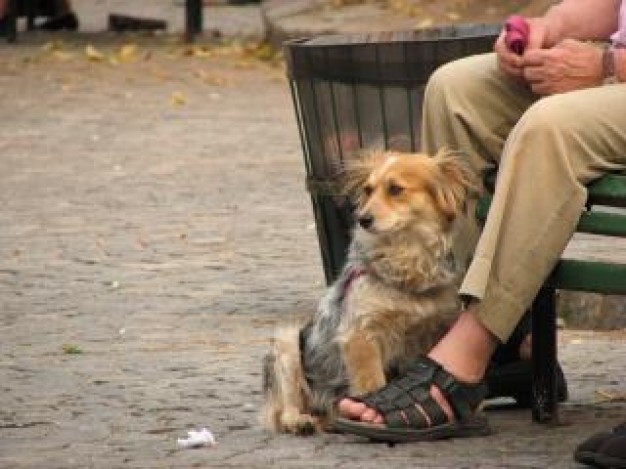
[
  {"x": 509, "y": 62},
  {"x": 568, "y": 66}
]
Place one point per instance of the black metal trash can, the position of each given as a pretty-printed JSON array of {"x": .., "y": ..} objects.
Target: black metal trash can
[{"x": 364, "y": 91}]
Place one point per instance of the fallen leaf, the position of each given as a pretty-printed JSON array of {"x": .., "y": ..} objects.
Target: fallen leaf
[
  {"x": 210, "y": 79},
  {"x": 202, "y": 52},
  {"x": 51, "y": 46},
  {"x": 178, "y": 98},
  {"x": 608, "y": 396},
  {"x": 62, "y": 55},
  {"x": 127, "y": 52},
  {"x": 71, "y": 349},
  {"x": 244, "y": 64},
  {"x": 93, "y": 54},
  {"x": 425, "y": 23}
]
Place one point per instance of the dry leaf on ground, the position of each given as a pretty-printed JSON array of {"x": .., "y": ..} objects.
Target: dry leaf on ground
[
  {"x": 93, "y": 54},
  {"x": 178, "y": 98}
]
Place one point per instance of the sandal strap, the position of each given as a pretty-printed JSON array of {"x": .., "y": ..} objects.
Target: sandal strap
[
  {"x": 397, "y": 400},
  {"x": 462, "y": 397}
]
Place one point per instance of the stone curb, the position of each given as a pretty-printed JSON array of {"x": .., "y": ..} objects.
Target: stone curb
[
  {"x": 285, "y": 19},
  {"x": 275, "y": 12}
]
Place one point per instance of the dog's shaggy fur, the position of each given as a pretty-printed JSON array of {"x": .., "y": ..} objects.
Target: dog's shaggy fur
[{"x": 395, "y": 298}]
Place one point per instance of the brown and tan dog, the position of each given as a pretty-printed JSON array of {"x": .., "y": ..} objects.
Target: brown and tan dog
[{"x": 396, "y": 296}]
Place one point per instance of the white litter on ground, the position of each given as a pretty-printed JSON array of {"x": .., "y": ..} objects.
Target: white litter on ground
[{"x": 197, "y": 439}]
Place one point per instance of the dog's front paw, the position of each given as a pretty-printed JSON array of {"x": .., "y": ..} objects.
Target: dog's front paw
[{"x": 299, "y": 424}]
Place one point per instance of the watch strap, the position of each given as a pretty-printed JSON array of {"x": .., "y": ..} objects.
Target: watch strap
[{"x": 608, "y": 65}]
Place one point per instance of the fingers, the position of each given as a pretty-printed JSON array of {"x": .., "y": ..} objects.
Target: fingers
[
  {"x": 534, "y": 58},
  {"x": 510, "y": 63},
  {"x": 535, "y": 71},
  {"x": 535, "y": 78}
]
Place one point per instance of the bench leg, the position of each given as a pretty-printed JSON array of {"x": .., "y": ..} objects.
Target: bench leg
[
  {"x": 11, "y": 20},
  {"x": 545, "y": 403},
  {"x": 31, "y": 13},
  {"x": 193, "y": 19}
]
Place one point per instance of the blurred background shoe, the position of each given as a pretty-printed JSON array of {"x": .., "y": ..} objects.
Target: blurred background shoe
[
  {"x": 121, "y": 23},
  {"x": 66, "y": 21},
  {"x": 604, "y": 449}
]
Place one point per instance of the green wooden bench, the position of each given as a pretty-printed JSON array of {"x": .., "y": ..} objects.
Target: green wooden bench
[{"x": 589, "y": 276}]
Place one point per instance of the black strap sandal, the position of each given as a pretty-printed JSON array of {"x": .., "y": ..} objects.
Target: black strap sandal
[{"x": 397, "y": 401}]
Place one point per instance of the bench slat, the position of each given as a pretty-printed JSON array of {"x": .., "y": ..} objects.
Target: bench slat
[
  {"x": 600, "y": 223},
  {"x": 589, "y": 276},
  {"x": 609, "y": 190}
]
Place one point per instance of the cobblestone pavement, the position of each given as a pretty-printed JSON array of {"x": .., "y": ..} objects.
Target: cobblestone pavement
[{"x": 153, "y": 218}]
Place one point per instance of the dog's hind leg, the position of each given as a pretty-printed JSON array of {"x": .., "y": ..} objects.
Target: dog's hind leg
[{"x": 286, "y": 392}]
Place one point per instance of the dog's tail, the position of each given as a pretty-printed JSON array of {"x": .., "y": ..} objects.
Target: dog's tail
[{"x": 284, "y": 385}]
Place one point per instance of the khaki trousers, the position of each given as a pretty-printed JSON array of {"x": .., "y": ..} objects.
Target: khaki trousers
[{"x": 546, "y": 149}]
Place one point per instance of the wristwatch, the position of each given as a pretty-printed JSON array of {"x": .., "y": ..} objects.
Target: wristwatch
[{"x": 608, "y": 66}]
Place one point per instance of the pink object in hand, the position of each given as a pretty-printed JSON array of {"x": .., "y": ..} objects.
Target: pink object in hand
[{"x": 517, "y": 33}]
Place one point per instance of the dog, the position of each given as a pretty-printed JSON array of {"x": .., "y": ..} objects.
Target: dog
[{"x": 394, "y": 299}]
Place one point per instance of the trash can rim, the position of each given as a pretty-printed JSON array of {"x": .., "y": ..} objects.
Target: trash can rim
[{"x": 475, "y": 31}]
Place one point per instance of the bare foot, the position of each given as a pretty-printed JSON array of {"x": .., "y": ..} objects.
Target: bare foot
[{"x": 359, "y": 411}]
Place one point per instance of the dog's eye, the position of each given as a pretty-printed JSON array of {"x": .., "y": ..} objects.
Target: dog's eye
[
  {"x": 394, "y": 189},
  {"x": 367, "y": 190}
]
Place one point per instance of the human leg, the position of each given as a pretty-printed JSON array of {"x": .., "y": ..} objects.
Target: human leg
[
  {"x": 471, "y": 107},
  {"x": 539, "y": 196},
  {"x": 560, "y": 144}
]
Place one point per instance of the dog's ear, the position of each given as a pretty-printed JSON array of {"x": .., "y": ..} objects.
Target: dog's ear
[
  {"x": 354, "y": 173},
  {"x": 457, "y": 181}
]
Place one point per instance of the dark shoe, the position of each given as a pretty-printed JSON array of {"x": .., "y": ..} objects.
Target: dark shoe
[
  {"x": 4, "y": 26},
  {"x": 516, "y": 380},
  {"x": 121, "y": 23},
  {"x": 612, "y": 454},
  {"x": 396, "y": 402},
  {"x": 68, "y": 21},
  {"x": 590, "y": 450},
  {"x": 8, "y": 28}
]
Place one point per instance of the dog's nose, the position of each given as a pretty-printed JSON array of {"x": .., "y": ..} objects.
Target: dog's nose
[{"x": 366, "y": 221}]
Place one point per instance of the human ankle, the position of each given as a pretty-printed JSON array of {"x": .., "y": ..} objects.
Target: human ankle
[{"x": 466, "y": 349}]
